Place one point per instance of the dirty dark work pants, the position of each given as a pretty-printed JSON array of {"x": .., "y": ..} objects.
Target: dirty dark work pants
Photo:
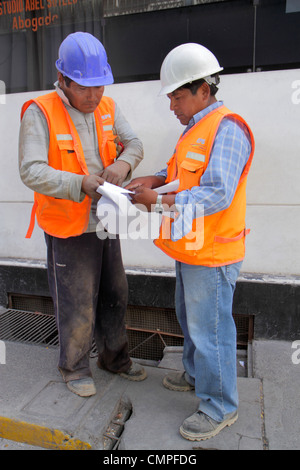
[{"x": 89, "y": 288}]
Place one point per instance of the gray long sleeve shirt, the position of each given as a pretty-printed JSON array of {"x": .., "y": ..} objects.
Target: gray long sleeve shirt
[{"x": 33, "y": 153}]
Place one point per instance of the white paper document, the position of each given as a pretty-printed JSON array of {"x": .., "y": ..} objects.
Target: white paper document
[
  {"x": 113, "y": 192},
  {"x": 117, "y": 213},
  {"x": 168, "y": 188}
]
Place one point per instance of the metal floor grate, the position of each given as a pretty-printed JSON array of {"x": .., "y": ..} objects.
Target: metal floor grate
[
  {"x": 40, "y": 328},
  {"x": 28, "y": 327},
  {"x": 30, "y": 319}
]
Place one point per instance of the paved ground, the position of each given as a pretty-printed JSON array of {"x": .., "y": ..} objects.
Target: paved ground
[{"x": 38, "y": 412}]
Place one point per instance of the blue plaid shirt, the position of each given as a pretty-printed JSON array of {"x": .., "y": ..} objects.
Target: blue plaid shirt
[{"x": 229, "y": 155}]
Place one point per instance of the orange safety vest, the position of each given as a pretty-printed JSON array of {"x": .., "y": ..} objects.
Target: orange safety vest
[
  {"x": 217, "y": 239},
  {"x": 64, "y": 218}
]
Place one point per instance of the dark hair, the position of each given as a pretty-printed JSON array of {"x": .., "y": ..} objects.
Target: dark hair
[
  {"x": 67, "y": 80},
  {"x": 194, "y": 86}
]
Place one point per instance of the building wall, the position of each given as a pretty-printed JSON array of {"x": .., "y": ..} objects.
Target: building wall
[{"x": 269, "y": 101}]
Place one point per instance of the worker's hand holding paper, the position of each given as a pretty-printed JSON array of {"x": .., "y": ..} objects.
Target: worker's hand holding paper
[
  {"x": 113, "y": 193},
  {"x": 168, "y": 188},
  {"x": 116, "y": 212}
]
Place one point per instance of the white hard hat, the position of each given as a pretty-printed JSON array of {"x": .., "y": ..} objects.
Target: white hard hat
[{"x": 187, "y": 63}]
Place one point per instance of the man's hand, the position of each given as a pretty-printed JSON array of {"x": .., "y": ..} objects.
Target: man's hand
[
  {"x": 116, "y": 173},
  {"x": 148, "y": 197},
  {"x": 145, "y": 196},
  {"x": 90, "y": 184},
  {"x": 146, "y": 181}
]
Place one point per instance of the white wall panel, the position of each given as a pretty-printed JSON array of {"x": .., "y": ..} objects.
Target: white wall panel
[{"x": 268, "y": 101}]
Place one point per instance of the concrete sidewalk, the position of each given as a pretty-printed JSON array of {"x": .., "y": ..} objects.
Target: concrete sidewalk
[{"x": 38, "y": 411}]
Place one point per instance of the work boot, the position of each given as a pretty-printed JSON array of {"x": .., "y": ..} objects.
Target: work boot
[
  {"x": 84, "y": 387},
  {"x": 135, "y": 372},
  {"x": 200, "y": 427},
  {"x": 176, "y": 381}
]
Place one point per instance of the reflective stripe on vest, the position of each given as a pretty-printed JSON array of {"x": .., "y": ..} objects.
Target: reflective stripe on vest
[
  {"x": 61, "y": 217},
  {"x": 217, "y": 239}
]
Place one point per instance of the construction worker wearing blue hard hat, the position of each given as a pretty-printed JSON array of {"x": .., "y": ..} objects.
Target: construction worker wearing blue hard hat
[
  {"x": 68, "y": 147},
  {"x": 83, "y": 60}
]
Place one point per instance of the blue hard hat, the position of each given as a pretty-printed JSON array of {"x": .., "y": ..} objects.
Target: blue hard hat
[{"x": 83, "y": 59}]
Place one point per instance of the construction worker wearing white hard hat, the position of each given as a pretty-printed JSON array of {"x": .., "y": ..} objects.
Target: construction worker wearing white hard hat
[
  {"x": 68, "y": 148},
  {"x": 206, "y": 234},
  {"x": 186, "y": 64}
]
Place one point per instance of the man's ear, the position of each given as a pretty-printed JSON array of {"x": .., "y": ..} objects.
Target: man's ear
[
  {"x": 205, "y": 90},
  {"x": 60, "y": 78}
]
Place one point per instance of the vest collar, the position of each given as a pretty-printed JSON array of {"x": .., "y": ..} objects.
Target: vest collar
[
  {"x": 65, "y": 100},
  {"x": 62, "y": 95},
  {"x": 198, "y": 116}
]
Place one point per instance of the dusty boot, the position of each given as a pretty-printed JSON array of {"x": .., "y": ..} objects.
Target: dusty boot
[{"x": 84, "y": 387}]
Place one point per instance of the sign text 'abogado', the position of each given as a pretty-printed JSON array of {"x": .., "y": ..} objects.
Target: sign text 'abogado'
[{"x": 17, "y": 9}]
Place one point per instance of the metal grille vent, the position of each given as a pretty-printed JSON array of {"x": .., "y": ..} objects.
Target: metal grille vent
[
  {"x": 28, "y": 327},
  {"x": 31, "y": 303},
  {"x": 145, "y": 342},
  {"x": 150, "y": 330},
  {"x": 30, "y": 319}
]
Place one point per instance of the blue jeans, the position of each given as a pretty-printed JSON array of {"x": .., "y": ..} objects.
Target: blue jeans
[{"x": 204, "y": 299}]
